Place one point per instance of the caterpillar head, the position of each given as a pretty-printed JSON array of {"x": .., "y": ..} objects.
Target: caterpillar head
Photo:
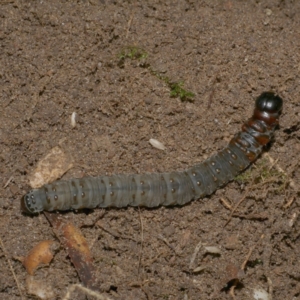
[
  {"x": 30, "y": 203},
  {"x": 269, "y": 102},
  {"x": 268, "y": 107}
]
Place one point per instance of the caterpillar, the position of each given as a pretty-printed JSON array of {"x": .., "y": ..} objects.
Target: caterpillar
[{"x": 174, "y": 188}]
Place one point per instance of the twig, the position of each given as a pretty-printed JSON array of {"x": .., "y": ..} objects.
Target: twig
[
  {"x": 8, "y": 181},
  {"x": 112, "y": 233},
  {"x": 129, "y": 25},
  {"x": 250, "y": 252},
  {"x": 226, "y": 204},
  {"x": 11, "y": 268},
  {"x": 236, "y": 206},
  {"x": 167, "y": 243},
  {"x": 274, "y": 163},
  {"x": 89, "y": 292},
  {"x": 231, "y": 292},
  {"x": 193, "y": 258},
  {"x": 288, "y": 204},
  {"x": 211, "y": 95},
  {"x": 270, "y": 283}
]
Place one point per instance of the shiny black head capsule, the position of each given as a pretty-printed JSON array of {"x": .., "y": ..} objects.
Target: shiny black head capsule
[{"x": 269, "y": 102}]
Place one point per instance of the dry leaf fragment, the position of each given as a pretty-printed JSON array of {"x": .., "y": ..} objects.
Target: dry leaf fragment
[
  {"x": 157, "y": 144},
  {"x": 76, "y": 242},
  {"x": 233, "y": 274},
  {"x": 39, "y": 288},
  {"x": 200, "y": 269},
  {"x": 50, "y": 168},
  {"x": 260, "y": 294},
  {"x": 73, "y": 119},
  {"x": 212, "y": 249},
  {"x": 77, "y": 248},
  {"x": 41, "y": 254}
]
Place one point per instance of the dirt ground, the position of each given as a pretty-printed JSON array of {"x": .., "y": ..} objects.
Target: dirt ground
[{"x": 113, "y": 63}]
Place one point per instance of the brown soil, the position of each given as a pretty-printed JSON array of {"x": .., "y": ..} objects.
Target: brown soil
[{"x": 59, "y": 57}]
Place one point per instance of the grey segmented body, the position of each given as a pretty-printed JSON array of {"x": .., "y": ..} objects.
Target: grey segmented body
[{"x": 175, "y": 188}]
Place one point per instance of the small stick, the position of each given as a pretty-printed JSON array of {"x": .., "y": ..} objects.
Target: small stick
[
  {"x": 236, "y": 206},
  {"x": 193, "y": 258},
  {"x": 231, "y": 292},
  {"x": 89, "y": 292},
  {"x": 273, "y": 162},
  {"x": 287, "y": 205},
  {"x": 167, "y": 243},
  {"x": 11, "y": 268},
  {"x": 211, "y": 96},
  {"x": 250, "y": 252},
  {"x": 129, "y": 25},
  {"x": 8, "y": 181},
  {"x": 225, "y": 203},
  {"x": 270, "y": 283}
]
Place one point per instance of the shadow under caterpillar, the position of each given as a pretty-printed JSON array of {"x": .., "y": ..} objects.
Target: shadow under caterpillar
[{"x": 174, "y": 188}]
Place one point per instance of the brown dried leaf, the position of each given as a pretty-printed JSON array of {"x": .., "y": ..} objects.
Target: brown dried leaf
[
  {"x": 212, "y": 249},
  {"x": 233, "y": 274},
  {"x": 50, "y": 168},
  {"x": 76, "y": 242},
  {"x": 232, "y": 271},
  {"x": 41, "y": 254},
  {"x": 77, "y": 248}
]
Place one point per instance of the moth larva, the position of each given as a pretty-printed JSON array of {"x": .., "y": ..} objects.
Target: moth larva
[{"x": 175, "y": 188}]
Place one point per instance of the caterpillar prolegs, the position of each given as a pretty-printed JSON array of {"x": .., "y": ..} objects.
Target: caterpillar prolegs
[{"x": 175, "y": 188}]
